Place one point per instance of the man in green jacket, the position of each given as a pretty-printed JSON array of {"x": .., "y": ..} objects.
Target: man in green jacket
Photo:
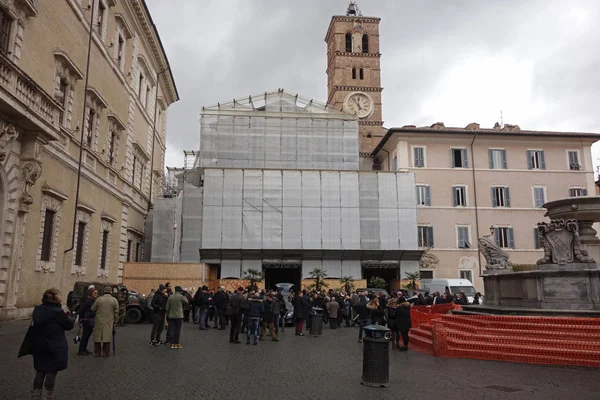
[{"x": 174, "y": 313}]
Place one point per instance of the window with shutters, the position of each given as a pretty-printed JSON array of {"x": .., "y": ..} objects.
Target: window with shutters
[
  {"x": 425, "y": 236},
  {"x": 394, "y": 161},
  {"x": 423, "y": 195},
  {"x": 459, "y": 158},
  {"x": 101, "y": 23},
  {"x": 419, "y": 157},
  {"x": 537, "y": 243},
  {"x": 365, "y": 43},
  {"x": 539, "y": 196},
  {"x": 459, "y": 193},
  {"x": 577, "y": 192},
  {"x": 48, "y": 235},
  {"x": 348, "y": 42},
  {"x": 466, "y": 274},
  {"x": 91, "y": 128},
  {"x": 573, "y": 160},
  {"x": 535, "y": 159},
  {"x": 5, "y": 25},
  {"x": 500, "y": 196},
  {"x": 504, "y": 237},
  {"x": 463, "y": 237},
  {"x": 497, "y": 158}
]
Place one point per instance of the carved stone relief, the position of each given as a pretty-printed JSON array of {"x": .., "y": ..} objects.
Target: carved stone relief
[
  {"x": 7, "y": 135},
  {"x": 30, "y": 173},
  {"x": 428, "y": 260},
  {"x": 561, "y": 243}
]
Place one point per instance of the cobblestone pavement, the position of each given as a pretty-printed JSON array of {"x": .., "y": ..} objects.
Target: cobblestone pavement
[{"x": 304, "y": 367}]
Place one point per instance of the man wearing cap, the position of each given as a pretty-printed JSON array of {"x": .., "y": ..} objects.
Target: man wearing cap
[
  {"x": 174, "y": 312},
  {"x": 107, "y": 313},
  {"x": 159, "y": 306},
  {"x": 237, "y": 304}
]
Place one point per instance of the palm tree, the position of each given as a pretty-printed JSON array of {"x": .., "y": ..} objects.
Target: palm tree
[
  {"x": 318, "y": 274},
  {"x": 254, "y": 276},
  {"x": 348, "y": 283},
  {"x": 377, "y": 283},
  {"x": 413, "y": 277}
]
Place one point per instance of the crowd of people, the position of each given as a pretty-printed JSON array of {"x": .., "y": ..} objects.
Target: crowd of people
[{"x": 250, "y": 311}]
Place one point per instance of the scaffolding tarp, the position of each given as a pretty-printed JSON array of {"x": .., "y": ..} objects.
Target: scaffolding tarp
[
  {"x": 308, "y": 210},
  {"x": 191, "y": 223}
]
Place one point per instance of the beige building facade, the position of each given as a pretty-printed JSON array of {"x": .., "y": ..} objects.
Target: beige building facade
[
  {"x": 472, "y": 182},
  {"x": 52, "y": 237}
]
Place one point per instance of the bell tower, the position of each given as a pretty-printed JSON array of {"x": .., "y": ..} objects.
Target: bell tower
[{"x": 354, "y": 72}]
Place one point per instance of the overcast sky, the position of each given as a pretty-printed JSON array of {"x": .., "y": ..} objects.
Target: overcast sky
[{"x": 537, "y": 61}]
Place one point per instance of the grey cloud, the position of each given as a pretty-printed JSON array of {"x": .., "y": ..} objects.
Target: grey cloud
[{"x": 221, "y": 49}]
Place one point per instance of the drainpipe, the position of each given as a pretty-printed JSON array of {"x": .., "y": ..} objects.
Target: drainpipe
[
  {"x": 87, "y": 75},
  {"x": 154, "y": 136},
  {"x": 475, "y": 199}
]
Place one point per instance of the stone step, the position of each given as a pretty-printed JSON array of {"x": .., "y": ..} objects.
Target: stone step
[{"x": 502, "y": 355}]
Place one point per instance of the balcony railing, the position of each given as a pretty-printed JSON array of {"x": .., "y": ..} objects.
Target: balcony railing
[{"x": 32, "y": 97}]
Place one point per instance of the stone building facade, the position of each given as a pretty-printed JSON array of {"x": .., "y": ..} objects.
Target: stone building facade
[
  {"x": 473, "y": 181},
  {"x": 48, "y": 238}
]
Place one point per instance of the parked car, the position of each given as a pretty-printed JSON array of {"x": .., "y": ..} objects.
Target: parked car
[
  {"x": 288, "y": 319},
  {"x": 374, "y": 291},
  {"x": 136, "y": 306}
]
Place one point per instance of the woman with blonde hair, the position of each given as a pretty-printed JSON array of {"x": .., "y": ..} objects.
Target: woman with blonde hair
[{"x": 377, "y": 316}]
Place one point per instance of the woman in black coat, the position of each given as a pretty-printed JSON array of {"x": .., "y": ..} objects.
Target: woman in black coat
[
  {"x": 403, "y": 322},
  {"x": 48, "y": 342}
]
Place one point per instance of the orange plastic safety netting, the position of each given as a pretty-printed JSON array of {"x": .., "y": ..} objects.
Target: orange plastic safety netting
[{"x": 527, "y": 339}]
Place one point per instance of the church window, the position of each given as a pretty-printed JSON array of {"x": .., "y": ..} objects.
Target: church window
[
  {"x": 365, "y": 43},
  {"x": 362, "y": 74},
  {"x": 348, "y": 42},
  {"x": 353, "y": 73}
]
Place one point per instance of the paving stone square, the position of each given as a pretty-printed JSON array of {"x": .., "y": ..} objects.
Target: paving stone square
[{"x": 326, "y": 367}]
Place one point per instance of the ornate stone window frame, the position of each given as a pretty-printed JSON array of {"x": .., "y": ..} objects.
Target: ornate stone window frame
[
  {"x": 53, "y": 200},
  {"x": 97, "y": 103},
  {"x": 136, "y": 238},
  {"x": 67, "y": 70},
  {"x": 122, "y": 31},
  {"x": 84, "y": 214},
  {"x": 143, "y": 160},
  {"x": 107, "y": 223},
  {"x": 114, "y": 125}
]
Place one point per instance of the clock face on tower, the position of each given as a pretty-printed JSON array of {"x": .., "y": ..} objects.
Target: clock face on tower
[{"x": 359, "y": 104}]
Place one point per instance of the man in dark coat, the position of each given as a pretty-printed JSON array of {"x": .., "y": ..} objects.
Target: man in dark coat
[
  {"x": 256, "y": 311},
  {"x": 220, "y": 301},
  {"x": 301, "y": 305},
  {"x": 159, "y": 306},
  {"x": 364, "y": 314},
  {"x": 237, "y": 304},
  {"x": 202, "y": 299},
  {"x": 50, "y": 349},
  {"x": 86, "y": 318},
  {"x": 271, "y": 310}
]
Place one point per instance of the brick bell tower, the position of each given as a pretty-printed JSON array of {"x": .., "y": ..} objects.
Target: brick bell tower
[{"x": 354, "y": 72}]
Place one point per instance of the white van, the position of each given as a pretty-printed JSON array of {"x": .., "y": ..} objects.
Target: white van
[{"x": 453, "y": 286}]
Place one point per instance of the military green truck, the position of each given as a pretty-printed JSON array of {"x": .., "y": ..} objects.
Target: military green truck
[{"x": 136, "y": 305}]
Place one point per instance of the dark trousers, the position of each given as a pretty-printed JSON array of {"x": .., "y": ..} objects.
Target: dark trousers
[
  {"x": 220, "y": 319},
  {"x": 186, "y": 315},
  {"x": 174, "y": 330},
  {"x": 404, "y": 337},
  {"x": 157, "y": 328},
  {"x": 253, "y": 324},
  {"x": 85, "y": 337},
  {"x": 234, "y": 330},
  {"x": 333, "y": 323}
]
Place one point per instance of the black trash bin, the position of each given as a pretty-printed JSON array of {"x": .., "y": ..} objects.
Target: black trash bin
[
  {"x": 316, "y": 322},
  {"x": 376, "y": 356}
]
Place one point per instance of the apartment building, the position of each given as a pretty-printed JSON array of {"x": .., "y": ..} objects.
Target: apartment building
[
  {"x": 472, "y": 182},
  {"x": 54, "y": 235}
]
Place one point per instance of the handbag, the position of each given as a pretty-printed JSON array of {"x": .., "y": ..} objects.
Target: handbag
[{"x": 28, "y": 345}]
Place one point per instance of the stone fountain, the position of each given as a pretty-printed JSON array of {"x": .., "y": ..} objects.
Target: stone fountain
[{"x": 566, "y": 281}]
